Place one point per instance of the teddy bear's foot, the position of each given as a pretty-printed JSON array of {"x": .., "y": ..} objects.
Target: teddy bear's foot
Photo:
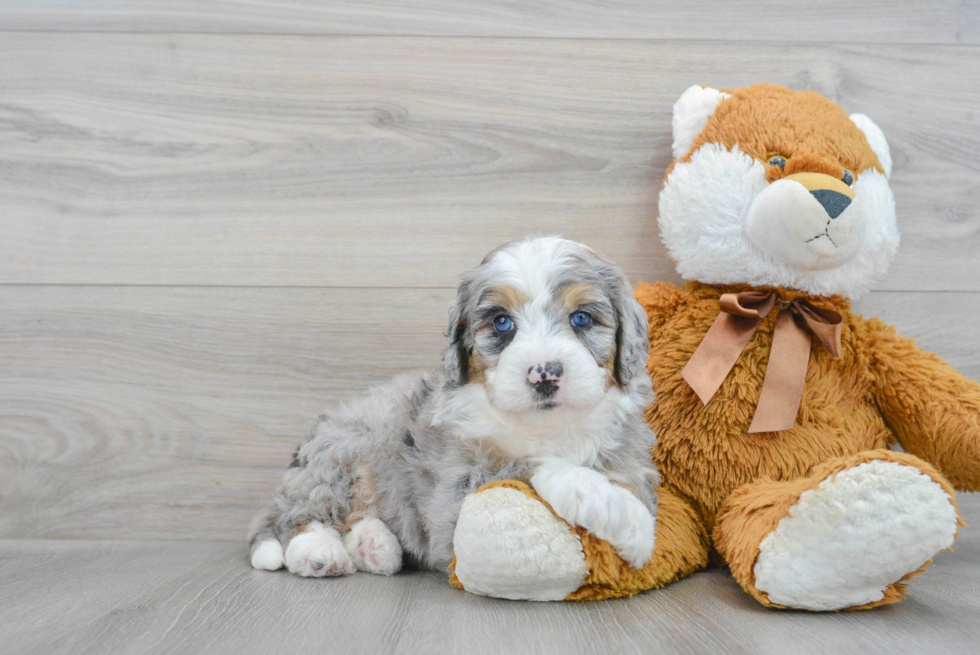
[
  {"x": 842, "y": 539},
  {"x": 855, "y": 534},
  {"x": 510, "y": 545}
]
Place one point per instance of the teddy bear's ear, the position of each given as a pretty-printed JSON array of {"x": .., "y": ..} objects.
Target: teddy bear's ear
[
  {"x": 877, "y": 140},
  {"x": 691, "y": 113}
]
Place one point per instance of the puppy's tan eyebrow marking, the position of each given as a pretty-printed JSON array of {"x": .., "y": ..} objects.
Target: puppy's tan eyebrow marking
[
  {"x": 575, "y": 295},
  {"x": 505, "y": 296}
]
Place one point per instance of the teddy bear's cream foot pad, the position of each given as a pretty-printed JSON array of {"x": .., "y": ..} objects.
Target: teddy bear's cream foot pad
[
  {"x": 510, "y": 545},
  {"x": 845, "y": 541}
]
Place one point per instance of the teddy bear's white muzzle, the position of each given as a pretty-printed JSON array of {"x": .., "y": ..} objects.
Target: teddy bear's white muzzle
[{"x": 809, "y": 221}]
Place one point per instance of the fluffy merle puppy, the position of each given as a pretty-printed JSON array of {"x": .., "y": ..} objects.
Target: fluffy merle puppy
[{"x": 543, "y": 380}]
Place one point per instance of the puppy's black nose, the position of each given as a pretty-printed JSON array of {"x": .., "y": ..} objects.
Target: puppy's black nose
[
  {"x": 545, "y": 378},
  {"x": 833, "y": 202}
]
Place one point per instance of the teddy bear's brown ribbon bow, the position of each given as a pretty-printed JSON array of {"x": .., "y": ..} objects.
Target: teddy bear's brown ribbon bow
[{"x": 782, "y": 388}]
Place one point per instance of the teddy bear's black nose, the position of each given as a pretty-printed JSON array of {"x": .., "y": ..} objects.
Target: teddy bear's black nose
[{"x": 833, "y": 202}]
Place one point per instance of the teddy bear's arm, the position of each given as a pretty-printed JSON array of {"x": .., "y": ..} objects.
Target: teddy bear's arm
[{"x": 932, "y": 409}]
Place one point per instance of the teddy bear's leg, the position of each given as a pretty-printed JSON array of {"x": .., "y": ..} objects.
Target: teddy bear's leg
[
  {"x": 509, "y": 544},
  {"x": 846, "y": 537}
]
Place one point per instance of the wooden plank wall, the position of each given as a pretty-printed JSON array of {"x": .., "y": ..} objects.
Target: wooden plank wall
[{"x": 217, "y": 217}]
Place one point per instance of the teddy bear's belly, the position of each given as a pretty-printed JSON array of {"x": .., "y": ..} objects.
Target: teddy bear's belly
[{"x": 705, "y": 452}]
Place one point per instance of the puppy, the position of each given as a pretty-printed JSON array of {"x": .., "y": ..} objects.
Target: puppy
[{"x": 543, "y": 380}]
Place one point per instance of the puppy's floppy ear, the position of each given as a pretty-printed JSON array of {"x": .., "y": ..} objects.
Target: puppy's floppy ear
[
  {"x": 454, "y": 360},
  {"x": 632, "y": 341}
]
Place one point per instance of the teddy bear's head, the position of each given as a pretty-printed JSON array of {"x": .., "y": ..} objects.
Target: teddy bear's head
[{"x": 779, "y": 188}]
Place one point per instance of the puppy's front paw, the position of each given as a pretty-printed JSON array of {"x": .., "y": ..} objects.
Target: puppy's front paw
[
  {"x": 318, "y": 552},
  {"x": 586, "y": 498},
  {"x": 634, "y": 537},
  {"x": 373, "y": 548}
]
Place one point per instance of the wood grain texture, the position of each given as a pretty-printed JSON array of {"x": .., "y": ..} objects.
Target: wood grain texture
[
  {"x": 165, "y": 597},
  {"x": 860, "y": 21},
  {"x": 219, "y": 216},
  {"x": 162, "y": 413},
  {"x": 171, "y": 413},
  {"x": 272, "y": 160}
]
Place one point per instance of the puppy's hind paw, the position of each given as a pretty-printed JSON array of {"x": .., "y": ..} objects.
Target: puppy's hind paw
[
  {"x": 318, "y": 552},
  {"x": 373, "y": 547},
  {"x": 268, "y": 556}
]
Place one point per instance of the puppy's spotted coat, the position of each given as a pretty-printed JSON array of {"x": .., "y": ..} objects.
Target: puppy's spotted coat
[{"x": 543, "y": 380}]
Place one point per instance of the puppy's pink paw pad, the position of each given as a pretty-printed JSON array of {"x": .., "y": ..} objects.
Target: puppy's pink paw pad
[
  {"x": 318, "y": 552},
  {"x": 373, "y": 547}
]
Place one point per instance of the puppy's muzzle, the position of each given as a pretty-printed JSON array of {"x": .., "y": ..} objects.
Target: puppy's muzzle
[{"x": 544, "y": 378}]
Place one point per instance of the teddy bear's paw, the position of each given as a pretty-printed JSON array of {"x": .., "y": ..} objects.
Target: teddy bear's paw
[
  {"x": 318, "y": 552},
  {"x": 847, "y": 540},
  {"x": 586, "y": 498},
  {"x": 373, "y": 547},
  {"x": 509, "y": 545},
  {"x": 268, "y": 556}
]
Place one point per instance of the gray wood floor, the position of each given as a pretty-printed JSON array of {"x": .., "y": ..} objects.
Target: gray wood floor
[
  {"x": 67, "y": 596},
  {"x": 213, "y": 213}
]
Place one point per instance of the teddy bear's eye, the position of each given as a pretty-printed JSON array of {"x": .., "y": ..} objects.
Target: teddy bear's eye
[
  {"x": 778, "y": 161},
  {"x": 848, "y": 178}
]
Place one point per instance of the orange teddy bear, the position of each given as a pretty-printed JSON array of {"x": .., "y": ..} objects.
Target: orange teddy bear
[{"x": 776, "y": 404}]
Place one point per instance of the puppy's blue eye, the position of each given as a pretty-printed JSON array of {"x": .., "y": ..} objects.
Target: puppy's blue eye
[
  {"x": 503, "y": 324},
  {"x": 581, "y": 320}
]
